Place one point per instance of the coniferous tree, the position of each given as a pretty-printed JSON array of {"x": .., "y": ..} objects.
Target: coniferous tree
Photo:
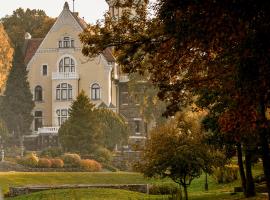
[
  {"x": 17, "y": 103},
  {"x": 81, "y": 132}
]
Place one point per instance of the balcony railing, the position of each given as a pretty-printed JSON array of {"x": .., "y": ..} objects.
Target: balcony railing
[
  {"x": 48, "y": 130},
  {"x": 65, "y": 76},
  {"x": 123, "y": 78}
]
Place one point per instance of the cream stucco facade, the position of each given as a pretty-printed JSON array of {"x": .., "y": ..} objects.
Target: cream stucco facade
[{"x": 58, "y": 71}]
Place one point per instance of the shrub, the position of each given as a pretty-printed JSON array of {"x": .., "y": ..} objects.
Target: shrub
[
  {"x": 29, "y": 161},
  {"x": 44, "y": 163},
  {"x": 90, "y": 165},
  {"x": 52, "y": 152},
  {"x": 102, "y": 155},
  {"x": 226, "y": 174},
  {"x": 57, "y": 163},
  {"x": 71, "y": 160},
  {"x": 163, "y": 189}
]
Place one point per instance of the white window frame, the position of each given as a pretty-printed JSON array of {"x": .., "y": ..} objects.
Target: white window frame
[
  {"x": 64, "y": 89},
  {"x": 94, "y": 95},
  {"x": 60, "y": 116}
]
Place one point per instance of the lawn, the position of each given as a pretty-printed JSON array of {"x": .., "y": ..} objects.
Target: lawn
[
  {"x": 87, "y": 194},
  {"x": 196, "y": 190}
]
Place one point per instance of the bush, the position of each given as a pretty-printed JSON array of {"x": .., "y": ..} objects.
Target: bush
[
  {"x": 71, "y": 160},
  {"x": 29, "y": 161},
  {"x": 90, "y": 165},
  {"x": 57, "y": 163},
  {"x": 102, "y": 155},
  {"x": 52, "y": 152},
  {"x": 226, "y": 174},
  {"x": 44, "y": 163},
  {"x": 163, "y": 189}
]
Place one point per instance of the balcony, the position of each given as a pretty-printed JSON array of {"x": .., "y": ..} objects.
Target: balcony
[
  {"x": 65, "y": 76},
  {"x": 48, "y": 130},
  {"x": 123, "y": 78}
]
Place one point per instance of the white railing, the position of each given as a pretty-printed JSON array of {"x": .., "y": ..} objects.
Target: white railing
[
  {"x": 65, "y": 75},
  {"x": 123, "y": 78},
  {"x": 48, "y": 129}
]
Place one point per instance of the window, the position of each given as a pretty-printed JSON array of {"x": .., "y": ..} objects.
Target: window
[
  {"x": 95, "y": 92},
  {"x": 124, "y": 98},
  {"x": 64, "y": 91},
  {"x": 38, "y": 93},
  {"x": 137, "y": 126},
  {"x": 37, "y": 120},
  {"x": 62, "y": 115},
  {"x": 67, "y": 64},
  {"x": 66, "y": 42},
  {"x": 44, "y": 70}
]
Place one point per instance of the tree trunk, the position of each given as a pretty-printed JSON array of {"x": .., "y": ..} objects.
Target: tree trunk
[
  {"x": 265, "y": 158},
  {"x": 250, "y": 187},
  {"x": 185, "y": 192},
  {"x": 241, "y": 167},
  {"x": 263, "y": 134}
]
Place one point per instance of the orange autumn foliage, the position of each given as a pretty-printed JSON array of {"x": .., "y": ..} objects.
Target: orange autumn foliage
[{"x": 6, "y": 55}]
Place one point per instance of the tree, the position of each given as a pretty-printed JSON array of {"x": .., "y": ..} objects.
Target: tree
[
  {"x": 6, "y": 53},
  {"x": 175, "y": 150},
  {"x": 17, "y": 102},
  {"x": 145, "y": 94},
  {"x": 199, "y": 45},
  {"x": 81, "y": 132},
  {"x": 3, "y": 131},
  {"x": 36, "y": 22},
  {"x": 113, "y": 127}
]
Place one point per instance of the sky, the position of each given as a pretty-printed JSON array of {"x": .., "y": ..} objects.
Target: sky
[{"x": 91, "y": 10}]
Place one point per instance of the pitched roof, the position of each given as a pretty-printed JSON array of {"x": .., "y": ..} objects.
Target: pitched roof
[
  {"x": 107, "y": 53},
  {"x": 80, "y": 21},
  {"x": 30, "y": 48}
]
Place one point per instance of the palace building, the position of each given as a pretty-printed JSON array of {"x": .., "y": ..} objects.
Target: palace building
[{"x": 58, "y": 71}]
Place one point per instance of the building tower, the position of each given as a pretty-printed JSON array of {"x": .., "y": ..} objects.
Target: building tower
[{"x": 127, "y": 106}]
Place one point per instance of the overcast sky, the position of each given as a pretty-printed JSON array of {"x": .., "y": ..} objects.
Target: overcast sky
[{"x": 91, "y": 10}]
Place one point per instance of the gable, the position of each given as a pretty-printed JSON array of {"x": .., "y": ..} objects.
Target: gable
[{"x": 66, "y": 20}]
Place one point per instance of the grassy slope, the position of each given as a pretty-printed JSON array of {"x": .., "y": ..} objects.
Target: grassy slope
[
  {"x": 86, "y": 194},
  {"x": 196, "y": 190},
  {"x": 8, "y": 179}
]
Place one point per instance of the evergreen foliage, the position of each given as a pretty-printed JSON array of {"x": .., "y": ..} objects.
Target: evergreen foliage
[
  {"x": 81, "y": 132},
  {"x": 113, "y": 127},
  {"x": 17, "y": 104}
]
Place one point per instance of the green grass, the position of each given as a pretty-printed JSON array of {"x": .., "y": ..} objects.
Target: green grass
[
  {"x": 8, "y": 179},
  {"x": 196, "y": 190},
  {"x": 87, "y": 194}
]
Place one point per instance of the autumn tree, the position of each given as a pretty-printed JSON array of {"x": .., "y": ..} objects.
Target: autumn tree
[
  {"x": 6, "y": 53},
  {"x": 194, "y": 46},
  {"x": 175, "y": 150},
  {"x": 35, "y": 22}
]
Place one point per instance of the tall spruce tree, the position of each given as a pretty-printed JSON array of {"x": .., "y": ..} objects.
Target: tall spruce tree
[
  {"x": 17, "y": 103},
  {"x": 81, "y": 132}
]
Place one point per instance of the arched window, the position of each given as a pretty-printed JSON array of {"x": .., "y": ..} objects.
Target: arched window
[
  {"x": 64, "y": 91},
  {"x": 66, "y": 64},
  {"x": 37, "y": 120},
  {"x": 95, "y": 92},
  {"x": 62, "y": 115},
  {"x": 38, "y": 93}
]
